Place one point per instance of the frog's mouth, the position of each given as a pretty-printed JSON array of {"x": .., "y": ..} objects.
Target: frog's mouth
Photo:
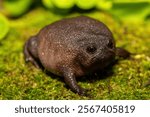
[
  {"x": 104, "y": 62},
  {"x": 99, "y": 61}
]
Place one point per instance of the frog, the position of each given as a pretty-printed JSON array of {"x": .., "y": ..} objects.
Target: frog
[{"x": 72, "y": 48}]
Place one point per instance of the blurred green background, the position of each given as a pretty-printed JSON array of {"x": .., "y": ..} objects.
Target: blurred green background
[
  {"x": 124, "y": 10},
  {"x": 128, "y": 20}
]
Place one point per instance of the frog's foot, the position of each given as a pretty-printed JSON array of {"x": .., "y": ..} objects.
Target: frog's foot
[
  {"x": 29, "y": 57},
  {"x": 70, "y": 80},
  {"x": 120, "y": 52}
]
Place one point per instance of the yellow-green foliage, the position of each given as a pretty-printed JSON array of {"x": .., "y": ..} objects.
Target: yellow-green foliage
[
  {"x": 4, "y": 26},
  {"x": 133, "y": 10},
  {"x": 16, "y": 8}
]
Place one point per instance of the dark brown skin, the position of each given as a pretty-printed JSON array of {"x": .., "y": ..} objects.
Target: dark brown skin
[{"x": 73, "y": 48}]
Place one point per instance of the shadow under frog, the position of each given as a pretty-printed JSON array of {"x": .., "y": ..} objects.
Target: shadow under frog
[{"x": 72, "y": 48}]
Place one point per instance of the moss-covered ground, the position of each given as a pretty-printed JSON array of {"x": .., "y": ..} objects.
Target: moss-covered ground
[{"x": 125, "y": 80}]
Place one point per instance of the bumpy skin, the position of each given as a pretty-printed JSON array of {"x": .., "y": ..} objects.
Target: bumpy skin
[{"x": 72, "y": 48}]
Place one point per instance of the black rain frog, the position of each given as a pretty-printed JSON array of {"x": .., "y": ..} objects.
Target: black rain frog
[{"x": 72, "y": 48}]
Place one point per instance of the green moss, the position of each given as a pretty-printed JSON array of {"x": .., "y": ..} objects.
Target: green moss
[{"x": 19, "y": 80}]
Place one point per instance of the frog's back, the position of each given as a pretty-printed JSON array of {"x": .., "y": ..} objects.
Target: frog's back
[{"x": 67, "y": 27}]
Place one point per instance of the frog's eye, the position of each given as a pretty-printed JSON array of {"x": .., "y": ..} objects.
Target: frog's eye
[
  {"x": 110, "y": 44},
  {"x": 91, "y": 49}
]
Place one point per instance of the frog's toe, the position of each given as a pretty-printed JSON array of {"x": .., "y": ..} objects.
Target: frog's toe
[
  {"x": 122, "y": 53},
  {"x": 30, "y": 59}
]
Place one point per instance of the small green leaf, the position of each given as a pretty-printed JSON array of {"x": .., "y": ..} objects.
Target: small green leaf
[
  {"x": 16, "y": 8},
  {"x": 131, "y": 11},
  {"x": 104, "y": 4},
  {"x": 86, "y": 4},
  {"x": 48, "y": 4},
  {"x": 63, "y": 4},
  {"x": 4, "y": 26}
]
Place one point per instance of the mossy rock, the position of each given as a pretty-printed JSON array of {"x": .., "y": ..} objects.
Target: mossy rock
[{"x": 125, "y": 80}]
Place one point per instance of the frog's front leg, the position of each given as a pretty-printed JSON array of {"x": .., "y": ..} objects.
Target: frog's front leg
[
  {"x": 30, "y": 51},
  {"x": 70, "y": 80},
  {"x": 122, "y": 53}
]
